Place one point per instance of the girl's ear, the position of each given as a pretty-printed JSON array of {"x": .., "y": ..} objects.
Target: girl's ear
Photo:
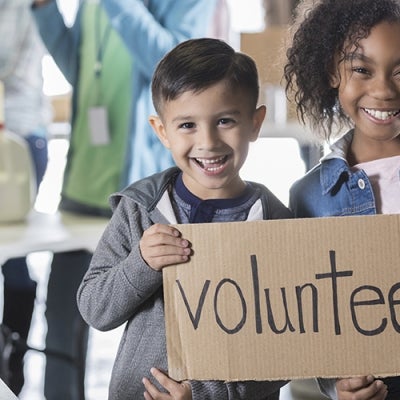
[
  {"x": 334, "y": 80},
  {"x": 258, "y": 119},
  {"x": 158, "y": 127},
  {"x": 334, "y": 75}
]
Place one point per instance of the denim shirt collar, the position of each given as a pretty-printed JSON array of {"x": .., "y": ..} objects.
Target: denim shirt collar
[{"x": 334, "y": 164}]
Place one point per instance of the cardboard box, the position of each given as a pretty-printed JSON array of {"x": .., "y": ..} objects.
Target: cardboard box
[
  {"x": 61, "y": 107},
  {"x": 268, "y": 49},
  {"x": 277, "y": 299}
]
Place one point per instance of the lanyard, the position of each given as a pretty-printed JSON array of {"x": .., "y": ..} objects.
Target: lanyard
[{"x": 101, "y": 42}]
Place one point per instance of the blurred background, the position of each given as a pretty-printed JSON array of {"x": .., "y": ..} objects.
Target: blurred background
[{"x": 255, "y": 27}]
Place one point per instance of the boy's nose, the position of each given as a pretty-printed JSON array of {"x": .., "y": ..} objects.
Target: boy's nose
[{"x": 207, "y": 138}]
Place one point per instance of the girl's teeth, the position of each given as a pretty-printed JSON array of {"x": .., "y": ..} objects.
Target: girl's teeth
[{"x": 382, "y": 115}]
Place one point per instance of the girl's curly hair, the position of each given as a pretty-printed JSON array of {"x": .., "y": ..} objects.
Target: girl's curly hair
[{"x": 320, "y": 32}]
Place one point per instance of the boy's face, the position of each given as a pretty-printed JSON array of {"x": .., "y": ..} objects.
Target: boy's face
[
  {"x": 368, "y": 83},
  {"x": 208, "y": 134}
]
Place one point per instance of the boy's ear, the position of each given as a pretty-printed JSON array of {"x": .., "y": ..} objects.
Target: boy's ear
[
  {"x": 158, "y": 127},
  {"x": 258, "y": 119}
]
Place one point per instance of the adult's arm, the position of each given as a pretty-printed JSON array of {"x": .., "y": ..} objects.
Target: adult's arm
[
  {"x": 150, "y": 34},
  {"x": 62, "y": 42}
]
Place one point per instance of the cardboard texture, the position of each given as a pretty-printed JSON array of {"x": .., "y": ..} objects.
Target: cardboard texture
[{"x": 277, "y": 299}]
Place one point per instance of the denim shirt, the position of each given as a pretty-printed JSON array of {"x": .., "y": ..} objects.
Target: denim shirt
[{"x": 331, "y": 188}]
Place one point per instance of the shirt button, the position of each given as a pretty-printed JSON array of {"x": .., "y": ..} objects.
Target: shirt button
[{"x": 361, "y": 184}]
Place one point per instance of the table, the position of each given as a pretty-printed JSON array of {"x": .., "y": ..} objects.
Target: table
[
  {"x": 57, "y": 232},
  {"x": 6, "y": 393}
]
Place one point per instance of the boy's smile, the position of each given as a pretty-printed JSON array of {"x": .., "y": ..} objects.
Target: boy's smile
[
  {"x": 213, "y": 165},
  {"x": 208, "y": 134}
]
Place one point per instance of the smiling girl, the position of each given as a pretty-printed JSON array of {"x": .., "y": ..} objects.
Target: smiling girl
[{"x": 343, "y": 71}]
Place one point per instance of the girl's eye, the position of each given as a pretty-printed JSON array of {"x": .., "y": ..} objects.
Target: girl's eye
[{"x": 360, "y": 70}]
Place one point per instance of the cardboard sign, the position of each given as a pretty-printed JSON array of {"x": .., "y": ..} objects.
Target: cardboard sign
[{"x": 300, "y": 298}]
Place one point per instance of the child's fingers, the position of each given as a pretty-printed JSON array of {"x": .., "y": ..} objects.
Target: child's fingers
[
  {"x": 152, "y": 393},
  {"x": 160, "y": 234},
  {"x": 160, "y": 256},
  {"x": 355, "y": 383},
  {"x": 163, "y": 379},
  {"x": 163, "y": 228},
  {"x": 165, "y": 250},
  {"x": 176, "y": 389},
  {"x": 161, "y": 245},
  {"x": 363, "y": 387},
  {"x": 165, "y": 261}
]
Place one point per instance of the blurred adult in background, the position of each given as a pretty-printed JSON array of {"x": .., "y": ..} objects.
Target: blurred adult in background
[
  {"x": 108, "y": 56},
  {"x": 27, "y": 113}
]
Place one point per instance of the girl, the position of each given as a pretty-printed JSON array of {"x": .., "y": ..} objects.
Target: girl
[{"x": 343, "y": 71}]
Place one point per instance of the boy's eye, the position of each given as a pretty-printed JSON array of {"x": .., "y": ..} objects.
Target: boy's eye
[
  {"x": 186, "y": 125},
  {"x": 225, "y": 121}
]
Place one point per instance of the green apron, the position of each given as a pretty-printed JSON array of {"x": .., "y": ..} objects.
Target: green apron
[{"x": 95, "y": 167}]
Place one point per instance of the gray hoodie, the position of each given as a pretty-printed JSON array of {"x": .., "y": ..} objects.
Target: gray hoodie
[{"x": 119, "y": 287}]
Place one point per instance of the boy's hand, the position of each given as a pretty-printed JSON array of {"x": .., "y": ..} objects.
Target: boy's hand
[
  {"x": 176, "y": 390},
  {"x": 361, "y": 388},
  {"x": 162, "y": 245}
]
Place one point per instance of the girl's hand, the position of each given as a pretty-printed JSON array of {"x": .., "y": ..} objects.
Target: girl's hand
[
  {"x": 361, "y": 388},
  {"x": 176, "y": 390},
  {"x": 162, "y": 245}
]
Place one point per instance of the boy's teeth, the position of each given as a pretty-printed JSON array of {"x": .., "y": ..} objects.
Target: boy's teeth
[
  {"x": 210, "y": 161},
  {"x": 381, "y": 114}
]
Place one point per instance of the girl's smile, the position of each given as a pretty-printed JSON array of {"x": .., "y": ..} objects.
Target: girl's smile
[
  {"x": 381, "y": 115},
  {"x": 368, "y": 83}
]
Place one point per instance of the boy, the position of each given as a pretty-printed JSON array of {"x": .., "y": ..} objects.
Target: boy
[{"x": 206, "y": 96}]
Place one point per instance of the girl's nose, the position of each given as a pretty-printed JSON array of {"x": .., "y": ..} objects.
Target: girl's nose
[{"x": 384, "y": 87}]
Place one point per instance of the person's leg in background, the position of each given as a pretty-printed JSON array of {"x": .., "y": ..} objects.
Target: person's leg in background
[
  {"x": 19, "y": 300},
  {"x": 66, "y": 331},
  {"x": 19, "y": 288}
]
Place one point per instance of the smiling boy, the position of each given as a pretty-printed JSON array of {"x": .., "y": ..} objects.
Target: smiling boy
[{"x": 205, "y": 95}]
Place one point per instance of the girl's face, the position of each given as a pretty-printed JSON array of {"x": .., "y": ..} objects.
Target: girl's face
[
  {"x": 368, "y": 81},
  {"x": 208, "y": 133}
]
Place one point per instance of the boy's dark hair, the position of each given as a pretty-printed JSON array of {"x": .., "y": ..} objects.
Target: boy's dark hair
[
  {"x": 196, "y": 64},
  {"x": 320, "y": 33}
]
